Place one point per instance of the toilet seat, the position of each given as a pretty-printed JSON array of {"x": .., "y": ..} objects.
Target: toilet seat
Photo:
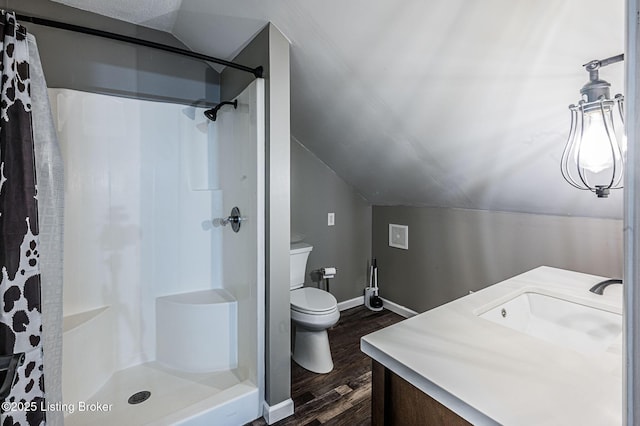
[{"x": 313, "y": 301}]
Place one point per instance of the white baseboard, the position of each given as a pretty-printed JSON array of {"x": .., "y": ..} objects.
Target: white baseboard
[
  {"x": 275, "y": 413},
  {"x": 351, "y": 303},
  {"x": 392, "y": 306},
  {"x": 398, "y": 309}
]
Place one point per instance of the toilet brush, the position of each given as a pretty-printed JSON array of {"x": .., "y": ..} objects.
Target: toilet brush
[{"x": 375, "y": 301}]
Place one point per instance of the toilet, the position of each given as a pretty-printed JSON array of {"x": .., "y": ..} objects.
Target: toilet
[{"x": 313, "y": 311}]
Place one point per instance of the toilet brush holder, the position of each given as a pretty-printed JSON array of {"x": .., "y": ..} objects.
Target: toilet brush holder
[{"x": 371, "y": 299}]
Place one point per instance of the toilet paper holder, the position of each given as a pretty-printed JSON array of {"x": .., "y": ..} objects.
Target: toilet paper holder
[
  {"x": 325, "y": 274},
  {"x": 328, "y": 272}
]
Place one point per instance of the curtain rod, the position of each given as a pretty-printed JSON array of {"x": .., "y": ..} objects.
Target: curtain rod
[{"x": 257, "y": 72}]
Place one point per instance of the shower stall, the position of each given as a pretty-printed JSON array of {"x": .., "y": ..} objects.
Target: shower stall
[{"x": 163, "y": 311}]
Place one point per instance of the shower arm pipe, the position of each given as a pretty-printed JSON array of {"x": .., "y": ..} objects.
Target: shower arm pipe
[
  {"x": 212, "y": 113},
  {"x": 257, "y": 72}
]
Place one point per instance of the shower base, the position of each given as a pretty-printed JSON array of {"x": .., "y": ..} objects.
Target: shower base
[{"x": 219, "y": 398}]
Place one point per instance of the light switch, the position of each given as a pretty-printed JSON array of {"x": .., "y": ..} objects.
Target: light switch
[{"x": 331, "y": 219}]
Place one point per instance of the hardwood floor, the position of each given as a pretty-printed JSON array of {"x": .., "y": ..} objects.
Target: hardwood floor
[{"x": 342, "y": 397}]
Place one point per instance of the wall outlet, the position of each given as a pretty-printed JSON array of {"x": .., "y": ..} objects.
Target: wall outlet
[
  {"x": 331, "y": 219},
  {"x": 399, "y": 236}
]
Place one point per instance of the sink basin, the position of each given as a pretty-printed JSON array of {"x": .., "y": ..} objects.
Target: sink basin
[{"x": 582, "y": 328}]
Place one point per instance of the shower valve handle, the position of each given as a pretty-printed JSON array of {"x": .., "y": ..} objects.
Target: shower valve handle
[{"x": 234, "y": 219}]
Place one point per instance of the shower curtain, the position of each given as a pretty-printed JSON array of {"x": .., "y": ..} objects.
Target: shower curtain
[{"x": 21, "y": 256}]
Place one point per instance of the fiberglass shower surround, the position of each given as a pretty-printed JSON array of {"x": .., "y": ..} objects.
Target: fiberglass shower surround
[{"x": 146, "y": 275}]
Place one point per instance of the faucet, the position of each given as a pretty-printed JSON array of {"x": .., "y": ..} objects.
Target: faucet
[{"x": 599, "y": 288}]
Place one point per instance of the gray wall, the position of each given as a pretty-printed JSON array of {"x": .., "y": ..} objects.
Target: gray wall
[
  {"x": 315, "y": 191},
  {"x": 271, "y": 50},
  {"x": 453, "y": 251},
  {"x": 94, "y": 64}
]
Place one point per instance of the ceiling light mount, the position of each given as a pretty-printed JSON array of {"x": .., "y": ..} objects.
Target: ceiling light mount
[
  {"x": 596, "y": 88},
  {"x": 594, "y": 156}
]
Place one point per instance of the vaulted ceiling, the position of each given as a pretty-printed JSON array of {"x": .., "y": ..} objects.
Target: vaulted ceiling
[{"x": 450, "y": 103}]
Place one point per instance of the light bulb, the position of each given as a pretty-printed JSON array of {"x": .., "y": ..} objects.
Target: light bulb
[{"x": 595, "y": 152}]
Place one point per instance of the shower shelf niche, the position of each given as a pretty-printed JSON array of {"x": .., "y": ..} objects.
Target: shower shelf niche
[{"x": 197, "y": 331}]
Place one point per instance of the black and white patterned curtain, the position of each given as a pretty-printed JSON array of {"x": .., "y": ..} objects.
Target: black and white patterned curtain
[{"x": 20, "y": 313}]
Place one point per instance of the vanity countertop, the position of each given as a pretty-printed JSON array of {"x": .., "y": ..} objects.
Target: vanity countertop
[{"x": 491, "y": 374}]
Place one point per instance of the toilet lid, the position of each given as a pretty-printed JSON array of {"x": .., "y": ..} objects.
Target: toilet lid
[{"x": 312, "y": 300}]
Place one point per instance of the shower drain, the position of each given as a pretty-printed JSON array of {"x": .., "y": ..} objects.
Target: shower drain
[{"x": 139, "y": 397}]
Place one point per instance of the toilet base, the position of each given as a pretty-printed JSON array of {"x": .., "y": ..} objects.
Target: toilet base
[{"x": 311, "y": 350}]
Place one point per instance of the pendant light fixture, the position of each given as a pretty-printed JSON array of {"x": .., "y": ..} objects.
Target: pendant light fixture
[{"x": 594, "y": 157}]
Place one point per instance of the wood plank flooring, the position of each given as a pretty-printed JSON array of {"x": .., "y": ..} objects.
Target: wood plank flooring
[{"x": 342, "y": 397}]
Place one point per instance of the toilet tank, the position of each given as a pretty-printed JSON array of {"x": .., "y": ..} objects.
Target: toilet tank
[{"x": 299, "y": 253}]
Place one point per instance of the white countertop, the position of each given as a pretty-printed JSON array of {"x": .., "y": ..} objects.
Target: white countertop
[{"x": 490, "y": 374}]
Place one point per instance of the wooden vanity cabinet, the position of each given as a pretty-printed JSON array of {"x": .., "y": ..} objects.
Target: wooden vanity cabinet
[{"x": 394, "y": 401}]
